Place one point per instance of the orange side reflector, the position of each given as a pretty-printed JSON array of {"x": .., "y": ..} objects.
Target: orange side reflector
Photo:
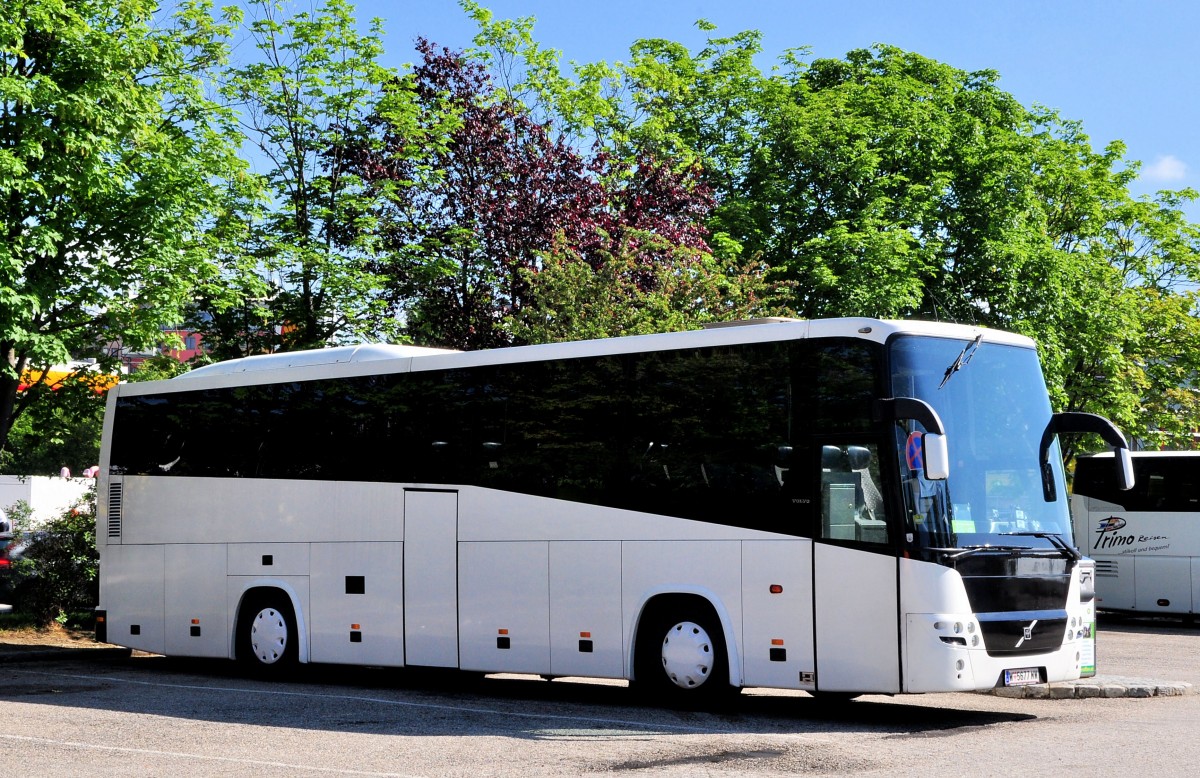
[
  {"x": 195, "y": 621},
  {"x": 585, "y": 634},
  {"x": 354, "y": 626},
  {"x": 503, "y": 632},
  {"x": 776, "y": 642}
]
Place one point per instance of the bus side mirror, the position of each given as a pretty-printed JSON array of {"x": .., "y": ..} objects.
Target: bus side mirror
[
  {"x": 1124, "y": 469},
  {"x": 1075, "y": 422},
  {"x": 936, "y": 457},
  {"x": 935, "y": 454}
]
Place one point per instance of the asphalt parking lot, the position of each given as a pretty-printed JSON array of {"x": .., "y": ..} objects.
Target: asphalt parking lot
[{"x": 107, "y": 713}]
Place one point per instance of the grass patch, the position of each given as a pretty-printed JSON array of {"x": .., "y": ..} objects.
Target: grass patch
[
  {"x": 15, "y": 620},
  {"x": 18, "y": 621}
]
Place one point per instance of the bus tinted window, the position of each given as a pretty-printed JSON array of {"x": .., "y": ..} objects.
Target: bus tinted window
[
  {"x": 706, "y": 433},
  {"x": 1161, "y": 483}
]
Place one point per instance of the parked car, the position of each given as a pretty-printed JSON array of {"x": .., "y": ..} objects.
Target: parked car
[
  {"x": 6, "y": 571},
  {"x": 12, "y": 549}
]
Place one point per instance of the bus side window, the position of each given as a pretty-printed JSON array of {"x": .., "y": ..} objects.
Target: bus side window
[{"x": 852, "y": 505}]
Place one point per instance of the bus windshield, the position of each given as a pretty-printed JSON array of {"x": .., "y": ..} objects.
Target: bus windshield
[{"x": 992, "y": 400}]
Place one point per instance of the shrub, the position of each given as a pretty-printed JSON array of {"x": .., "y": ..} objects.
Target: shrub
[{"x": 60, "y": 566}]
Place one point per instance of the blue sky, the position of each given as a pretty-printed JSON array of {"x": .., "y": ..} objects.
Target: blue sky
[{"x": 1126, "y": 70}]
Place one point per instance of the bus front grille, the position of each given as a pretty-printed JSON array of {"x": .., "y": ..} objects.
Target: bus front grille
[{"x": 1014, "y": 634}]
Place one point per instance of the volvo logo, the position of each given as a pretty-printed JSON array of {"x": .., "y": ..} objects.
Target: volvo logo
[{"x": 1028, "y": 633}]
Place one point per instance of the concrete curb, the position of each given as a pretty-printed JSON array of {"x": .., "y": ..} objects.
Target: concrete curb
[{"x": 1098, "y": 687}]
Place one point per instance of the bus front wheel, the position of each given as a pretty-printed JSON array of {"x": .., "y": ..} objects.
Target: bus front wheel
[
  {"x": 680, "y": 657},
  {"x": 267, "y": 634}
]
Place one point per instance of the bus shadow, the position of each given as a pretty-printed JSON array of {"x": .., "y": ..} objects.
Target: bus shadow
[
  {"x": 421, "y": 702},
  {"x": 1114, "y": 621}
]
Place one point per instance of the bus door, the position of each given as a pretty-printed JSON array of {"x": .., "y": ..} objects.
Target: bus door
[
  {"x": 431, "y": 578},
  {"x": 855, "y": 589}
]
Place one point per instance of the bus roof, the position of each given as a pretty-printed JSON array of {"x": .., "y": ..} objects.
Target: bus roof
[
  {"x": 347, "y": 361},
  {"x": 371, "y": 352}
]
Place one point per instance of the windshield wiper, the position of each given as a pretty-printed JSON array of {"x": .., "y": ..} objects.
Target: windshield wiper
[
  {"x": 1055, "y": 539},
  {"x": 963, "y": 358},
  {"x": 964, "y": 551}
]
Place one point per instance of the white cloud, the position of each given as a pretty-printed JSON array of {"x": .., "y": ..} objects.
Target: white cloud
[{"x": 1166, "y": 168}]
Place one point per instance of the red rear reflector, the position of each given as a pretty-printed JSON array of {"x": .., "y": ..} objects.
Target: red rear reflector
[{"x": 776, "y": 589}]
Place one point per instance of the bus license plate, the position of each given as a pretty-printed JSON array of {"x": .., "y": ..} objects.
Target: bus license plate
[{"x": 1022, "y": 676}]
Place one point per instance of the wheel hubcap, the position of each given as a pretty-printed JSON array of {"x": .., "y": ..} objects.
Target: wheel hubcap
[
  {"x": 268, "y": 636},
  {"x": 687, "y": 655}
]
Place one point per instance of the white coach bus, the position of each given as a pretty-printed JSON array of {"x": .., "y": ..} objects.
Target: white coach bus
[
  {"x": 840, "y": 506},
  {"x": 1145, "y": 541}
]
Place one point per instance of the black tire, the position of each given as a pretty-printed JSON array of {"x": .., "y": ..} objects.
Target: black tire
[
  {"x": 680, "y": 657},
  {"x": 267, "y": 638}
]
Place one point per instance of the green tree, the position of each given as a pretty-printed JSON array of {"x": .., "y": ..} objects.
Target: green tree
[
  {"x": 109, "y": 151},
  {"x": 610, "y": 295},
  {"x": 57, "y": 432},
  {"x": 304, "y": 270},
  {"x": 888, "y": 184}
]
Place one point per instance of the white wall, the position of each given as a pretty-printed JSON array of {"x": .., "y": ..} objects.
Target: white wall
[{"x": 47, "y": 496}]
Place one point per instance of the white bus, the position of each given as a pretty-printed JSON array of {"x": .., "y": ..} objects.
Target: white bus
[
  {"x": 1145, "y": 541},
  {"x": 695, "y": 512}
]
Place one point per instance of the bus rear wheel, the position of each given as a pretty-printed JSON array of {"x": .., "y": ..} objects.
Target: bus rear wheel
[
  {"x": 267, "y": 634},
  {"x": 680, "y": 657}
]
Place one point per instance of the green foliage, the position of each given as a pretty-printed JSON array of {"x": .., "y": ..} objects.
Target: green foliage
[
  {"x": 882, "y": 183},
  {"x": 887, "y": 184},
  {"x": 162, "y": 366},
  {"x": 18, "y": 515},
  {"x": 62, "y": 431},
  {"x": 303, "y": 270},
  {"x": 571, "y": 300},
  {"x": 109, "y": 150},
  {"x": 60, "y": 566}
]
